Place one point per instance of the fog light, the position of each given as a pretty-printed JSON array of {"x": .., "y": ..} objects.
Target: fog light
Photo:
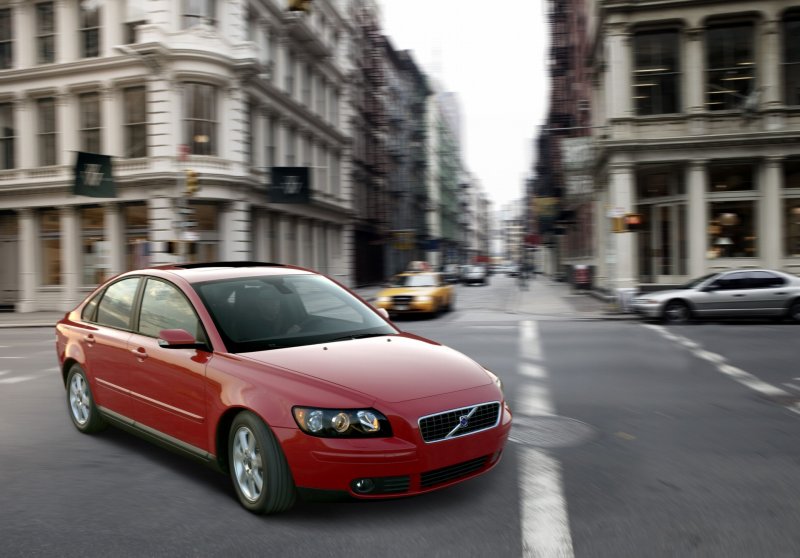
[{"x": 363, "y": 486}]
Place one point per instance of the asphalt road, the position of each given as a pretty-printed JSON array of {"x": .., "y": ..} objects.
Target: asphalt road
[{"x": 647, "y": 441}]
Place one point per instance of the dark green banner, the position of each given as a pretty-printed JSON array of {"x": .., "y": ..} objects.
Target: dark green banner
[
  {"x": 290, "y": 185},
  {"x": 93, "y": 176}
]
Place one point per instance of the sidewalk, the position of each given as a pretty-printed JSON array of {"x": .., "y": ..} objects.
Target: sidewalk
[{"x": 544, "y": 296}]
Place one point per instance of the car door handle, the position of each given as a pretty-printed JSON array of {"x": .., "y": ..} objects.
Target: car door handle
[
  {"x": 140, "y": 352},
  {"x": 89, "y": 338},
  {"x": 780, "y": 293},
  {"x": 739, "y": 295}
]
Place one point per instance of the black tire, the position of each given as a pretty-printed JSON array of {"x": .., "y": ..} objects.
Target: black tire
[
  {"x": 264, "y": 454},
  {"x": 80, "y": 403},
  {"x": 677, "y": 312},
  {"x": 793, "y": 313}
]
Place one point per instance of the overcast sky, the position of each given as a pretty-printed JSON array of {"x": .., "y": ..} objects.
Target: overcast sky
[{"x": 493, "y": 55}]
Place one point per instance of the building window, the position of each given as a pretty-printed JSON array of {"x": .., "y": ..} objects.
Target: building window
[
  {"x": 90, "y": 31},
  {"x": 791, "y": 58},
  {"x": 732, "y": 229},
  {"x": 270, "y": 140},
  {"x": 791, "y": 173},
  {"x": 6, "y": 40},
  {"x": 335, "y": 186},
  {"x": 656, "y": 76},
  {"x": 792, "y": 219},
  {"x": 50, "y": 230},
  {"x": 734, "y": 177},
  {"x": 308, "y": 76},
  {"x": 45, "y": 33},
  {"x": 46, "y": 112},
  {"x": 250, "y": 134},
  {"x": 135, "y": 100},
  {"x": 201, "y": 118},
  {"x": 290, "y": 147},
  {"x": 321, "y": 95},
  {"x": 6, "y": 136},
  {"x": 731, "y": 65},
  {"x": 196, "y": 12},
  {"x": 289, "y": 73},
  {"x": 95, "y": 251},
  {"x": 135, "y": 15},
  {"x": 90, "y": 127}
]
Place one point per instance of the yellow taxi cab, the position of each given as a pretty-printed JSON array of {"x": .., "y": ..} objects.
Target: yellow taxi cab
[{"x": 412, "y": 292}]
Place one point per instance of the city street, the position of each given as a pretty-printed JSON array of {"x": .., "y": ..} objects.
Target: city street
[{"x": 630, "y": 439}]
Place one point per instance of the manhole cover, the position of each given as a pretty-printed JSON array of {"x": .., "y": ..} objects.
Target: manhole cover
[{"x": 549, "y": 431}]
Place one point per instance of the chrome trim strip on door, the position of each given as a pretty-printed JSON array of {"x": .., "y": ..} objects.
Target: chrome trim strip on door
[{"x": 156, "y": 402}]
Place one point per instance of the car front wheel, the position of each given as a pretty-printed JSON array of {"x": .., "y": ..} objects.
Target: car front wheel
[
  {"x": 259, "y": 471},
  {"x": 677, "y": 312},
  {"x": 82, "y": 410}
]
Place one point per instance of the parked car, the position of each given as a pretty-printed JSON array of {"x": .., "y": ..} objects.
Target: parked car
[
  {"x": 739, "y": 293},
  {"x": 450, "y": 273},
  {"x": 417, "y": 293},
  {"x": 281, "y": 377},
  {"x": 475, "y": 274}
]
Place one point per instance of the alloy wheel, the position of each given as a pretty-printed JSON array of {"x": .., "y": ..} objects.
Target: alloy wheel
[
  {"x": 247, "y": 464},
  {"x": 79, "y": 401}
]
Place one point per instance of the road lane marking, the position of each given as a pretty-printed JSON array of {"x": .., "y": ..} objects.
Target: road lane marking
[
  {"x": 543, "y": 508},
  {"x": 15, "y": 357},
  {"x": 742, "y": 376}
]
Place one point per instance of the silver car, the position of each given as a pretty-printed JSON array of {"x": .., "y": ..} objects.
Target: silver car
[{"x": 740, "y": 293}]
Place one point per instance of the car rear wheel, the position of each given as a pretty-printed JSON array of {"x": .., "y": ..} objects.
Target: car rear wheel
[
  {"x": 259, "y": 471},
  {"x": 794, "y": 311},
  {"x": 82, "y": 410},
  {"x": 677, "y": 312}
]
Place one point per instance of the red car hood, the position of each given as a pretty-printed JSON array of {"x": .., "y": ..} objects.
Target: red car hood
[{"x": 391, "y": 369}]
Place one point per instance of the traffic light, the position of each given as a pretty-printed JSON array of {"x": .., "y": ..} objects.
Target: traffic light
[
  {"x": 300, "y": 6},
  {"x": 634, "y": 222},
  {"x": 191, "y": 182}
]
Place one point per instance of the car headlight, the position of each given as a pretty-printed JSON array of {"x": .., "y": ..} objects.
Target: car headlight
[
  {"x": 342, "y": 423},
  {"x": 423, "y": 298},
  {"x": 645, "y": 301},
  {"x": 497, "y": 381}
]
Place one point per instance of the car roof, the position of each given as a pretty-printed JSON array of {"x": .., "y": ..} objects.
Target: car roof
[{"x": 212, "y": 271}]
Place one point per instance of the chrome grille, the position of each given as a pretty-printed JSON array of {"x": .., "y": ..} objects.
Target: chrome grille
[
  {"x": 449, "y": 424},
  {"x": 453, "y": 472},
  {"x": 404, "y": 299}
]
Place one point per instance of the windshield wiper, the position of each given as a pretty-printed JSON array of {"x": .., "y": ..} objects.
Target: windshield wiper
[{"x": 357, "y": 336}]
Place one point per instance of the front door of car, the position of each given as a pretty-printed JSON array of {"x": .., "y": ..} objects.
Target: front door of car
[
  {"x": 730, "y": 296},
  {"x": 106, "y": 347},
  {"x": 168, "y": 384}
]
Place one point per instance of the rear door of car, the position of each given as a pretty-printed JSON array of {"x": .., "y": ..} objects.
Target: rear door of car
[
  {"x": 770, "y": 293},
  {"x": 106, "y": 348},
  {"x": 168, "y": 385}
]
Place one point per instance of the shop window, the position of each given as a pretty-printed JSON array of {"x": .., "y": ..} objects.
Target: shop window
[
  {"x": 730, "y": 60},
  {"x": 656, "y": 74},
  {"x": 792, "y": 226},
  {"x": 732, "y": 229},
  {"x": 731, "y": 177}
]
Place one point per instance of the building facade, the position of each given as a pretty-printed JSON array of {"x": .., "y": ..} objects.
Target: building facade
[
  {"x": 697, "y": 115},
  {"x": 226, "y": 89}
]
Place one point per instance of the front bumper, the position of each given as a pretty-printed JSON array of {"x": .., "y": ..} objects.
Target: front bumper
[
  {"x": 411, "y": 307},
  {"x": 397, "y": 467},
  {"x": 647, "y": 310}
]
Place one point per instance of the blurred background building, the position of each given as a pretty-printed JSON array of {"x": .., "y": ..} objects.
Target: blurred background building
[
  {"x": 202, "y": 108},
  {"x": 694, "y": 160}
]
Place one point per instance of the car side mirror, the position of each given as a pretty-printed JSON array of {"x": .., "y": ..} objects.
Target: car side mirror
[
  {"x": 383, "y": 312},
  {"x": 710, "y": 288},
  {"x": 178, "y": 339}
]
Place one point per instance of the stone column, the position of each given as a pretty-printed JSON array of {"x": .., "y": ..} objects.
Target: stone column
[
  {"x": 114, "y": 226},
  {"x": 160, "y": 217},
  {"x": 302, "y": 240},
  {"x": 67, "y": 128},
  {"x": 111, "y": 18},
  {"x": 621, "y": 189},
  {"x": 771, "y": 221},
  {"x": 698, "y": 222},
  {"x": 25, "y": 151},
  {"x": 261, "y": 237},
  {"x": 236, "y": 231},
  {"x": 67, "y": 34},
  {"x": 259, "y": 145},
  {"x": 694, "y": 78},
  {"x": 770, "y": 65},
  {"x": 618, "y": 67},
  {"x": 71, "y": 257},
  {"x": 283, "y": 239},
  {"x": 28, "y": 272},
  {"x": 315, "y": 264},
  {"x": 24, "y": 38}
]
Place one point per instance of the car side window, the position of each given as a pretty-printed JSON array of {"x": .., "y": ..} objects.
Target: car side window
[
  {"x": 765, "y": 280},
  {"x": 89, "y": 310},
  {"x": 733, "y": 281},
  {"x": 114, "y": 308},
  {"x": 164, "y": 306}
]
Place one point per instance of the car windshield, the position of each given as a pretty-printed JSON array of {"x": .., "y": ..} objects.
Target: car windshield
[
  {"x": 273, "y": 312},
  {"x": 416, "y": 280},
  {"x": 698, "y": 281}
]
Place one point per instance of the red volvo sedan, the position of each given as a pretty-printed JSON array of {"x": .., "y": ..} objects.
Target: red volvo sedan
[{"x": 281, "y": 377}]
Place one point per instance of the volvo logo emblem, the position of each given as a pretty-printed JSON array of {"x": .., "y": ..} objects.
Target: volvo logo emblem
[{"x": 463, "y": 421}]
